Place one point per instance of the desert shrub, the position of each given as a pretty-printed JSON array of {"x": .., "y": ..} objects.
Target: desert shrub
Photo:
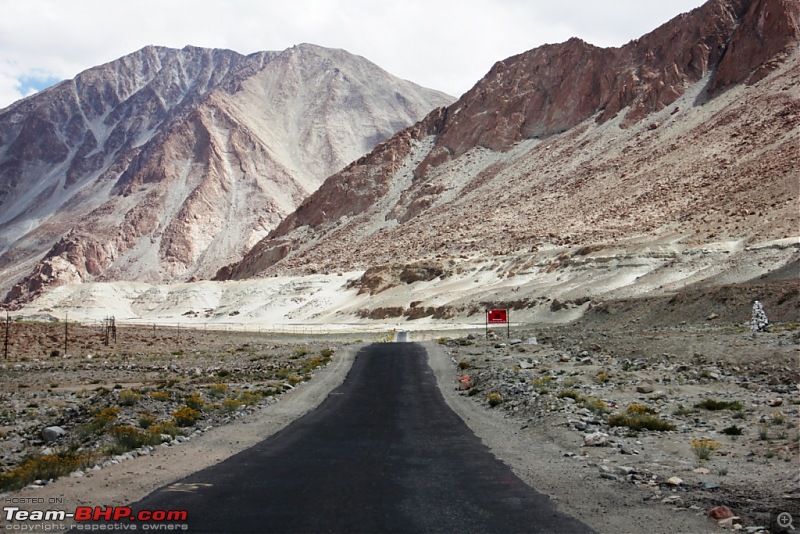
[
  {"x": 106, "y": 415},
  {"x": 732, "y": 430},
  {"x": 195, "y": 402},
  {"x": 778, "y": 419},
  {"x": 230, "y": 405},
  {"x": 294, "y": 380},
  {"x": 128, "y": 438},
  {"x": 570, "y": 381},
  {"x": 326, "y": 353},
  {"x": 704, "y": 448},
  {"x": 313, "y": 363},
  {"x": 569, "y": 393},
  {"x": 594, "y": 405},
  {"x": 164, "y": 427},
  {"x": 146, "y": 420},
  {"x": 463, "y": 364},
  {"x": 186, "y": 416},
  {"x": 602, "y": 378},
  {"x": 640, "y": 409},
  {"x": 494, "y": 399},
  {"x": 217, "y": 391},
  {"x": 716, "y": 405},
  {"x": 300, "y": 352},
  {"x": 284, "y": 373},
  {"x": 162, "y": 396},
  {"x": 640, "y": 417},
  {"x": 542, "y": 384},
  {"x": 128, "y": 397},
  {"x": 640, "y": 422},
  {"x": 268, "y": 392},
  {"x": 248, "y": 398},
  {"x": 101, "y": 421},
  {"x": 43, "y": 467}
]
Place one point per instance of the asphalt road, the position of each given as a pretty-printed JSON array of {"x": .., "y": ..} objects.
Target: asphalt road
[{"x": 383, "y": 453}]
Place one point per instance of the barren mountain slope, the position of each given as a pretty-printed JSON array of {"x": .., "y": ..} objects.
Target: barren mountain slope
[
  {"x": 684, "y": 137},
  {"x": 167, "y": 164}
]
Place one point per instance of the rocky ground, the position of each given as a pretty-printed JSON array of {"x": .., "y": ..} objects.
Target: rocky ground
[
  {"x": 93, "y": 405},
  {"x": 726, "y": 403},
  {"x": 572, "y": 404}
]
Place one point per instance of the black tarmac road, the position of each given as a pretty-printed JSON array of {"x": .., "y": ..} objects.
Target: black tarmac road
[{"x": 383, "y": 453}]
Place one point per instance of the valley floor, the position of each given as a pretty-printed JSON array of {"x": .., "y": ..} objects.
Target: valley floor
[{"x": 717, "y": 385}]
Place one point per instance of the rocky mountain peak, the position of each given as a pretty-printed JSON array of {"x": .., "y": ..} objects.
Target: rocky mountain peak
[
  {"x": 553, "y": 88},
  {"x": 166, "y": 164}
]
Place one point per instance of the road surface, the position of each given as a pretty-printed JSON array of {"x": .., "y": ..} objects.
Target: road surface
[{"x": 383, "y": 453}]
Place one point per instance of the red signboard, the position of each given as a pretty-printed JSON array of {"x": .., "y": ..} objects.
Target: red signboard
[{"x": 497, "y": 316}]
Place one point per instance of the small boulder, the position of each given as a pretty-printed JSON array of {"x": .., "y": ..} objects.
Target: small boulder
[
  {"x": 465, "y": 382},
  {"x": 53, "y": 433},
  {"x": 596, "y": 439},
  {"x": 776, "y": 402},
  {"x": 729, "y": 522},
  {"x": 674, "y": 500},
  {"x": 720, "y": 512},
  {"x": 675, "y": 481},
  {"x": 644, "y": 389}
]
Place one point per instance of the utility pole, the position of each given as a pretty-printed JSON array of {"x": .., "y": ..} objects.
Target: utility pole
[
  {"x": 5, "y": 344},
  {"x": 66, "y": 332}
]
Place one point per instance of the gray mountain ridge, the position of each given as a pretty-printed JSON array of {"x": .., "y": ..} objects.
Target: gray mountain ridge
[{"x": 166, "y": 164}]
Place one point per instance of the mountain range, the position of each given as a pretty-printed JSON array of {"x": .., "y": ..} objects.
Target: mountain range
[
  {"x": 568, "y": 175},
  {"x": 690, "y": 132},
  {"x": 165, "y": 165}
]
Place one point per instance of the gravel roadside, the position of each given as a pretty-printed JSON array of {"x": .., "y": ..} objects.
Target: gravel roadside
[{"x": 537, "y": 455}]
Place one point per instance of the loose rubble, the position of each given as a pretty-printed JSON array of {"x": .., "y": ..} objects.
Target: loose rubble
[
  {"x": 91, "y": 410},
  {"x": 729, "y": 403}
]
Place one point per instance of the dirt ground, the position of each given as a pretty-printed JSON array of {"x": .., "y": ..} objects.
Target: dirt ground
[
  {"x": 555, "y": 386},
  {"x": 160, "y": 385},
  {"x": 730, "y": 398}
]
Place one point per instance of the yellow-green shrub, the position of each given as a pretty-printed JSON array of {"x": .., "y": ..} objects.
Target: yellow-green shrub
[
  {"x": 43, "y": 467},
  {"x": 703, "y": 448},
  {"x": 128, "y": 397},
  {"x": 185, "y": 416}
]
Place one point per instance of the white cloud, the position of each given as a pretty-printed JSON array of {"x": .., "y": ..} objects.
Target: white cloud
[{"x": 443, "y": 44}]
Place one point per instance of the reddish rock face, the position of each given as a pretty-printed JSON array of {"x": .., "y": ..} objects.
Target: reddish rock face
[
  {"x": 553, "y": 88},
  {"x": 604, "y": 169},
  {"x": 767, "y": 33}
]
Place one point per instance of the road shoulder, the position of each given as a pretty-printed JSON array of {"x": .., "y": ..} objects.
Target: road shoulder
[
  {"x": 131, "y": 480},
  {"x": 537, "y": 456}
]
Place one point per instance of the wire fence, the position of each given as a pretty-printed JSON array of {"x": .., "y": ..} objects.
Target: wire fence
[{"x": 24, "y": 339}]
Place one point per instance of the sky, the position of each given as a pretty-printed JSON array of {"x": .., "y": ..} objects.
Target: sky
[{"x": 442, "y": 44}]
